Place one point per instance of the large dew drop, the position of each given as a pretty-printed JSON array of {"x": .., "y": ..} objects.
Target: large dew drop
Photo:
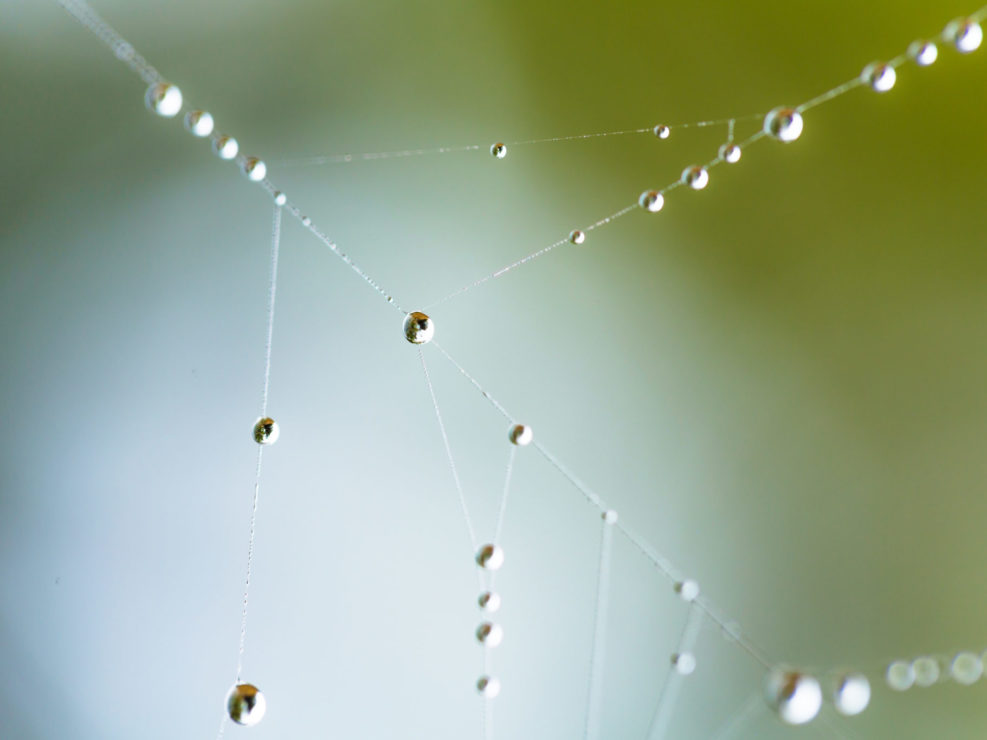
[
  {"x": 851, "y": 694},
  {"x": 418, "y": 328},
  {"x": 164, "y": 99},
  {"x": 246, "y": 704},
  {"x": 879, "y": 76},
  {"x": 795, "y": 696},
  {"x": 784, "y": 124}
]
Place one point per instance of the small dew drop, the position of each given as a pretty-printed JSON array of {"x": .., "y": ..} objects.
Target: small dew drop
[
  {"x": 499, "y": 150},
  {"x": 795, "y": 696},
  {"x": 684, "y": 663},
  {"x": 246, "y": 704},
  {"x": 730, "y": 153},
  {"x": 926, "y": 671},
  {"x": 254, "y": 169},
  {"x": 851, "y": 694},
  {"x": 280, "y": 198},
  {"x": 923, "y": 53},
  {"x": 662, "y": 132},
  {"x": 164, "y": 99},
  {"x": 306, "y": 221},
  {"x": 879, "y": 76},
  {"x": 651, "y": 200},
  {"x": 784, "y": 124},
  {"x": 966, "y": 668},
  {"x": 610, "y": 516},
  {"x": 490, "y": 634},
  {"x": 490, "y": 557},
  {"x": 266, "y": 431},
  {"x": 489, "y": 601},
  {"x": 965, "y": 34},
  {"x": 688, "y": 590},
  {"x": 199, "y": 123},
  {"x": 695, "y": 177},
  {"x": 488, "y": 686},
  {"x": 576, "y": 236},
  {"x": 900, "y": 675},
  {"x": 226, "y": 147},
  {"x": 418, "y": 328},
  {"x": 521, "y": 435}
]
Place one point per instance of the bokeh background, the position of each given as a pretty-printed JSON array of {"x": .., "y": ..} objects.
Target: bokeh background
[{"x": 778, "y": 382}]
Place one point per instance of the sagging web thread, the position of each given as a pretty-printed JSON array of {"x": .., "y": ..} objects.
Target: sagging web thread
[{"x": 794, "y": 695}]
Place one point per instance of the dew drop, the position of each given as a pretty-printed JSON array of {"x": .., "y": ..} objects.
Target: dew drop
[
  {"x": 965, "y": 34},
  {"x": 266, "y": 431},
  {"x": 851, "y": 694},
  {"x": 418, "y": 328},
  {"x": 254, "y": 169},
  {"x": 610, "y": 516},
  {"x": 662, "y": 132},
  {"x": 576, "y": 236},
  {"x": 499, "y": 150},
  {"x": 280, "y": 198},
  {"x": 199, "y": 123},
  {"x": 684, "y": 663},
  {"x": 966, "y": 668},
  {"x": 226, "y": 147},
  {"x": 795, "y": 696},
  {"x": 488, "y": 686},
  {"x": 246, "y": 704},
  {"x": 784, "y": 124},
  {"x": 489, "y": 601},
  {"x": 651, "y": 200},
  {"x": 688, "y": 590},
  {"x": 695, "y": 177},
  {"x": 879, "y": 76},
  {"x": 923, "y": 53},
  {"x": 490, "y": 557},
  {"x": 521, "y": 435},
  {"x": 900, "y": 675},
  {"x": 164, "y": 99},
  {"x": 490, "y": 634},
  {"x": 926, "y": 671},
  {"x": 730, "y": 153}
]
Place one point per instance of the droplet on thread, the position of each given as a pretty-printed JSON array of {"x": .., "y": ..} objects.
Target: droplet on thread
[
  {"x": 795, "y": 696},
  {"x": 900, "y": 675},
  {"x": 879, "y": 76},
  {"x": 226, "y": 147},
  {"x": 199, "y": 123},
  {"x": 610, "y": 516},
  {"x": 851, "y": 694},
  {"x": 164, "y": 99},
  {"x": 521, "y": 435},
  {"x": 926, "y": 671},
  {"x": 280, "y": 198},
  {"x": 923, "y": 53},
  {"x": 489, "y": 601},
  {"x": 695, "y": 177},
  {"x": 662, "y": 131},
  {"x": 688, "y": 590},
  {"x": 499, "y": 150},
  {"x": 254, "y": 169},
  {"x": 965, "y": 34},
  {"x": 246, "y": 704},
  {"x": 490, "y": 557},
  {"x": 490, "y": 634},
  {"x": 684, "y": 663},
  {"x": 488, "y": 686},
  {"x": 784, "y": 124},
  {"x": 418, "y": 328},
  {"x": 966, "y": 668},
  {"x": 730, "y": 153},
  {"x": 266, "y": 431},
  {"x": 576, "y": 236},
  {"x": 651, "y": 200}
]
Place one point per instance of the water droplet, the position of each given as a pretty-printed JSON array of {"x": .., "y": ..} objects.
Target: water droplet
[
  {"x": 965, "y": 34},
  {"x": 199, "y": 123},
  {"x": 521, "y": 435},
  {"x": 489, "y": 601},
  {"x": 280, "y": 198},
  {"x": 610, "y": 516},
  {"x": 687, "y": 589},
  {"x": 730, "y": 153},
  {"x": 652, "y": 200},
  {"x": 226, "y": 147},
  {"x": 923, "y": 53},
  {"x": 418, "y": 328},
  {"x": 684, "y": 663},
  {"x": 879, "y": 76},
  {"x": 490, "y": 557},
  {"x": 488, "y": 686},
  {"x": 785, "y": 124},
  {"x": 966, "y": 668},
  {"x": 164, "y": 99},
  {"x": 576, "y": 236},
  {"x": 266, "y": 431},
  {"x": 851, "y": 694},
  {"x": 900, "y": 675},
  {"x": 246, "y": 704},
  {"x": 795, "y": 696},
  {"x": 662, "y": 132},
  {"x": 306, "y": 221},
  {"x": 490, "y": 634},
  {"x": 254, "y": 169},
  {"x": 695, "y": 177},
  {"x": 499, "y": 150},
  {"x": 926, "y": 671}
]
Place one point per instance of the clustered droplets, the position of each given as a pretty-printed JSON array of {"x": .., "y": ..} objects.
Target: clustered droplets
[{"x": 964, "y": 668}]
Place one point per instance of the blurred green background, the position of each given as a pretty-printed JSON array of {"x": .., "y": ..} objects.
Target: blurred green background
[{"x": 779, "y": 381}]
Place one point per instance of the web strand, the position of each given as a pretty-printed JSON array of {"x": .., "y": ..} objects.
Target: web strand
[
  {"x": 598, "y": 655},
  {"x": 271, "y": 297},
  {"x": 733, "y": 724},
  {"x": 673, "y": 681}
]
